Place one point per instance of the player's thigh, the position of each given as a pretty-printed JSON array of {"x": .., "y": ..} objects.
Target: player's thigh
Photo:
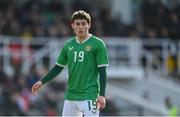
[
  {"x": 69, "y": 109},
  {"x": 91, "y": 108}
]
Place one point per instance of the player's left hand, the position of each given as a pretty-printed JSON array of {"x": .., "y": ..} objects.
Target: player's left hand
[{"x": 101, "y": 102}]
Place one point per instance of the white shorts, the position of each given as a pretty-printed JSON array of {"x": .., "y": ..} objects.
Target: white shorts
[{"x": 80, "y": 108}]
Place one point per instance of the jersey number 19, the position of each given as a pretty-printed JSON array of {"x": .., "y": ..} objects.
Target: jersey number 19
[{"x": 78, "y": 56}]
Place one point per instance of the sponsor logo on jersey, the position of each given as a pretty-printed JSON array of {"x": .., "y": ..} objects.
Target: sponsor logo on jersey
[
  {"x": 88, "y": 48},
  {"x": 70, "y": 48}
]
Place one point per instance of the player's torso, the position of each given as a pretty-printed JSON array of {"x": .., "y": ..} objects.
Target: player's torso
[{"x": 82, "y": 67}]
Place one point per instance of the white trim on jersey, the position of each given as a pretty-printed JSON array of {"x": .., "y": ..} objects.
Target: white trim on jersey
[
  {"x": 60, "y": 65},
  {"x": 89, "y": 36},
  {"x": 102, "y": 65}
]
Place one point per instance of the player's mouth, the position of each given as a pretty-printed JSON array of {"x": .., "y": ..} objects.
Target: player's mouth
[{"x": 80, "y": 31}]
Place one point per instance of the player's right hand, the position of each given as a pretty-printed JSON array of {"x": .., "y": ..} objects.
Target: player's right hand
[{"x": 36, "y": 87}]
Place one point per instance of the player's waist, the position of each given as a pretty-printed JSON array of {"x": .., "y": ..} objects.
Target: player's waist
[{"x": 78, "y": 95}]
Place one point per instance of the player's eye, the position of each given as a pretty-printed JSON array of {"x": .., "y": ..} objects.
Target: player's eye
[
  {"x": 77, "y": 23},
  {"x": 83, "y": 23}
]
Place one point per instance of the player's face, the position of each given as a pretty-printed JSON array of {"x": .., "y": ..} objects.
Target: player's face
[{"x": 81, "y": 28}]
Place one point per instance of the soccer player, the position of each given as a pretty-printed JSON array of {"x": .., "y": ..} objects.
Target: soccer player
[{"x": 86, "y": 58}]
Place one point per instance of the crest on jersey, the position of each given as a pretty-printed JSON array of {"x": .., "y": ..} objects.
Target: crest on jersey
[{"x": 88, "y": 48}]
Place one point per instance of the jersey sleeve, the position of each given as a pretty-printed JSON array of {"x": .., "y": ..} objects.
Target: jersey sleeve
[
  {"x": 101, "y": 55},
  {"x": 62, "y": 58}
]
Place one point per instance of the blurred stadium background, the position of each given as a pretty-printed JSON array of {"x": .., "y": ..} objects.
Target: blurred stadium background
[{"x": 142, "y": 38}]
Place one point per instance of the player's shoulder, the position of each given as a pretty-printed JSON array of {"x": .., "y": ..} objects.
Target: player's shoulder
[
  {"x": 71, "y": 40},
  {"x": 97, "y": 39}
]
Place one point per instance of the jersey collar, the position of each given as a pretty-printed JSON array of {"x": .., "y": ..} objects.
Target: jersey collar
[{"x": 89, "y": 36}]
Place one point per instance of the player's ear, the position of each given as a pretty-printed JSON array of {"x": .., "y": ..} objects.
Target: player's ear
[
  {"x": 89, "y": 25},
  {"x": 72, "y": 25}
]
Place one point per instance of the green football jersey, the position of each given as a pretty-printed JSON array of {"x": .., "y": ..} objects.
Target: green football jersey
[{"x": 83, "y": 60}]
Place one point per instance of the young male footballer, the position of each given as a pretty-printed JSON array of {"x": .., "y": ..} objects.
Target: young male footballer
[{"x": 86, "y": 58}]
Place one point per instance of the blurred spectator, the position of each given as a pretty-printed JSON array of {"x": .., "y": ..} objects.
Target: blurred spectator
[
  {"x": 21, "y": 102},
  {"x": 171, "y": 64},
  {"x": 32, "y": 77},
  {"x": 164, "y": 33},
  {"x": 56, "y": 6},
  {"x": 174, "y": 26},
  {"x": 173, "y": 110},
  {"x": 163, "y": 20},
  {"x": 81, "y": 4},
  {"x": 4, "y": 80},
  {"x": 151, "y": 34},
  {"x": 51, "y": 19},
  {"x": 110, "y": 25},
  {"x": 33, "y": 4},
  {"x": 15, "y": 50},
  {"x": 150, "y": 13},
  {"x": 8, "y": 105}
]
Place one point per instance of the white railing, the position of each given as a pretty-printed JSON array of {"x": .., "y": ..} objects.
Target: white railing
[
  {"x": 29, "y": 53},
  {"x": 125, "y": 54},
  {"x": 157, "y": 52}
]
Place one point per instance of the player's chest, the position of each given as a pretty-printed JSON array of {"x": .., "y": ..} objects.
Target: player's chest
[{"x": 80, "y": 52}]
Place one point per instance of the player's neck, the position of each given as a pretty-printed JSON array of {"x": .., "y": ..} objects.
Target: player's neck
[{"x": 81, "y": 39}]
